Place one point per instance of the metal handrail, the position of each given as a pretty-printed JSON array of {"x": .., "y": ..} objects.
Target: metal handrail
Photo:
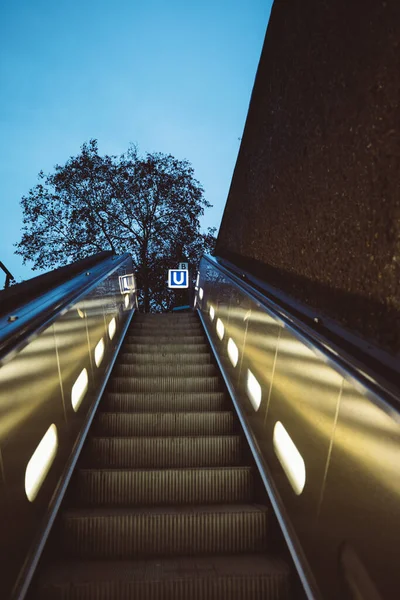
[
  {"x": 338, "y": 352},
  {"x": 16, "y": 330}
]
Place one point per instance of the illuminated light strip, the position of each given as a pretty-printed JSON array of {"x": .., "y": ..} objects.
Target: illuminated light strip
[
  {"x": 197, "y": 281},
  {"x": 40, "y": 463},
  {"x": 99, "y": 353},
  {"x": 201, "y": 293},
  {"x": 126, "y": 300},
  {"x": 79, "y": 389},
  {"x": 80, "y": 313},
  {"x": 290, "y": 458},
  {"x": 212, "y": 313},
  {"x": 233, "y": 352},
  {"x": 112, "y": 326},
  {"x": 254, "y": 391},
  {"x": 220, "y": 329}
]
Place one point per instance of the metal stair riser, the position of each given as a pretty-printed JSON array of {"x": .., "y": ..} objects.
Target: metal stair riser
[
  {"x": 161, "y": 359},
  {"x": 179, "y": 579},
  {"x": 132, "y": 338},
  {"x": 195, "y": 588},
  {"x": 133, "y": 535},
  {"x": 164, "y": 424},
  {"x": 174, "y": 330},
  {"x": 167, "y": 486},
  {"x": 165, "y": 370},
  {"x": 160, "y": 452},
  {"x": 165, "y": 384},
  {"x": 167, "y": 348},
  {"x": 171, "y": 402}
]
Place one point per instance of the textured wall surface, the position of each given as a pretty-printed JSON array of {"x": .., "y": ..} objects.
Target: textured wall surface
[{"x": 314, "y": 199}]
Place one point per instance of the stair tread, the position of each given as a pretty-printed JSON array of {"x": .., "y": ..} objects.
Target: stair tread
[
  {"x": 166, "y": 470},
  {"x": 185, "y": 567},
  {"x": 188, "y": 509}
]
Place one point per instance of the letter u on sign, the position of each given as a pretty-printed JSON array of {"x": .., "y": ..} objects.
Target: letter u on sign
[{"x": 178, "y": 278}]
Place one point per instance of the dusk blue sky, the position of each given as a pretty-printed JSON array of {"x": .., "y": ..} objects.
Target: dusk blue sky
[{"x": 173, "y": 77}]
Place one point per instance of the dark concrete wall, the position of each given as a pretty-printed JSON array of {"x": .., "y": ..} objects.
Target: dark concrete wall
[{"x": 314, "y": 204}]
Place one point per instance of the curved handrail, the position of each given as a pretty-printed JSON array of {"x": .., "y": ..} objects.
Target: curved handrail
[
  {"x": 31, "y": 317},
  {"x": 379, "y": 378}
]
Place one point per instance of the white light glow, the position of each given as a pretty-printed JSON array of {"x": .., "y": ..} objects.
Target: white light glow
[
  {"x": 126, "y": 300},
  {"x": 212, "y": 313},
  {"x": 220, "y": 329},
  {"x": 254, "y": 391},
  {"x": 112, "y": 327},
  {"x": 80, "y": 313},
  {"x": 197, "y": 281},
  {"x": 201, "y": 293},
  {"x": 290, "y": 458},
  {"x": 40, "y": 463},
  {"x": 79, "y": 389},
  {"x": 99, "y": 353},
  {"x": 233, "y": 352}
]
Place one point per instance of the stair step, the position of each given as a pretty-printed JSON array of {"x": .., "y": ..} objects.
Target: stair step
[
  {"x": 158, "y": 401},
  {"x": 164, "y": 424},
  {"x": 164, "y": 370},
  {"x": 117, "y": 487},
  {"x": 157, "y": 359},
  {"x": 163, "y": 531},
  {"x": 165, "y": 384},
  {"x": 166, "y": 317},
  {"x": 165, "y": 348},
  {"x": 158, "y": 452},
  {"x": 140, "y": 329},
  {"x": 223, "y": 577},
  {"x": 134, "y": 338}
]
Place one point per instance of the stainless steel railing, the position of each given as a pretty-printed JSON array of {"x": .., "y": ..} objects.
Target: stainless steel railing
[
  {"x": 324, "y": 432},
  {"x": 53, "y": 371}
]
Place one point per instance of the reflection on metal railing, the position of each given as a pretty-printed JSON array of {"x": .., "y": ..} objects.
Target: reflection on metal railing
[
  {"x": 48, "y": 392},
  {"x": 330, "y": 445}
]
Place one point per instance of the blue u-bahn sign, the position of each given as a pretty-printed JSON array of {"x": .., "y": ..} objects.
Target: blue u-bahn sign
[{"x": 178, "y": 278}]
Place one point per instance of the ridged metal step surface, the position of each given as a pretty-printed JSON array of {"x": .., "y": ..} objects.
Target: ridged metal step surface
[
  {"x": 209, "y": 451},
  {"x": 121, "y": 487},
  {"x": 175, "y": 347},
  {"x": 165, "y": 384},
  {"x": 162, "y": 358},
  {"x": 165, "y": 370},
  {"x": 136, "y": 338},
  {"x": 167, "y": 401},
  {"x": 156, "y": 332},
  {"x": 164, "y": 531},
  {"x": 164, "y": 424},
  {"x": 164, "y": 501},
  {"x": 223, "y": 577}
]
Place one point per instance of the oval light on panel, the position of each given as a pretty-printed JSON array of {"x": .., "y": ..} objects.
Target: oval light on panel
[
  {"x": 201, "y": 293},
  {"x": 40, "y": 462},
  {"x": 220, "y": 329},
  {"x": 233, "y": 352},
  {"x": 254, "y": 391},
  {"x": 112, "y": 327},
  {"x": 99, "y": 353},
  {"x": 79, "y": 389},
  {"x": 290, "y": 458},
  {"x": 212, "y": 313}
]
